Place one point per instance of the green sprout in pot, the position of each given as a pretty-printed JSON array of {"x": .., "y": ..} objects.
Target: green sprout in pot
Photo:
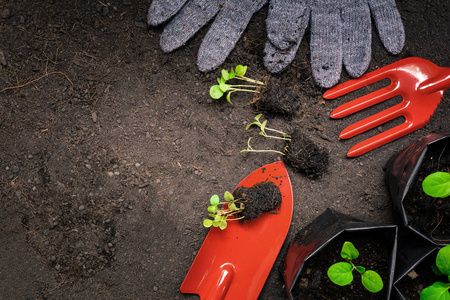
[
  {"x": 437, "y": 185},
  {"x": 439, "y": 290},
  {"x": 218, "y": 90},
  {"x": 341, "y": 273},
  {"x": 221, "y": 212}
]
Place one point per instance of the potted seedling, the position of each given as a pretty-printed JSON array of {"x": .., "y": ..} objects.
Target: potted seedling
[
  {"x": 428, "y": 279},
  {"x": 313, "y": 266},
  {"x": 299, "y": 152},
  {"x": 439, "y": 290},
  {"x": 418, "y": 182},
  {"x": 341, "y": 273}
]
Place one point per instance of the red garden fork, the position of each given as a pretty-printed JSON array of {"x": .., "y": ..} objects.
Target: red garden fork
[{"x": 419, "y": 82}]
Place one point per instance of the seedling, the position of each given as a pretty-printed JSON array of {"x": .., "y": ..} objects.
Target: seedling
[
  {"x": 341, "y": 273},
  {"x": 217, "y": 91},
  {"x": 437, "y": 185},
  {"x": 439, "y": 290},
  {"x": 250, "y": 149},
  {"x": 263, "y": 127},
  {"x": 220, "y": 212}
]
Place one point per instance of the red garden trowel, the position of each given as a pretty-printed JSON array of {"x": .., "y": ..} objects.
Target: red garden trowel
[
  {"x": 419, "y": 82},
  {"x": 234, "y": 263}
]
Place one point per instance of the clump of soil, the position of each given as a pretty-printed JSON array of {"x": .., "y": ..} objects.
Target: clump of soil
[
  {"x": 305, "y": 156},
  {"x": 262, "y": 197},
  {"x": 420, "y": 277},
  {"x": 313, "y": 282},
  {"x": 429, "y": 215},
  {"x": 276, "y": 99}
]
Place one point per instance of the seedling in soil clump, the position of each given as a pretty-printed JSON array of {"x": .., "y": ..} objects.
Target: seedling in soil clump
[
  {"x": 439, "y": 290},
  {"x": 260, "y": 198},
  {"x": 341, "y": 273},
  {"x": 275, "y": 98},
  {"x": 302, "y": 154},
  {"x": 305, "y": 156},
  {"x": 437, "y": 185},
  {"x": 217, "y": 91},
  {"x": 220, "y": 212}
]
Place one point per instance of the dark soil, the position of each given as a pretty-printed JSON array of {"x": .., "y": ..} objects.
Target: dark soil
[
  {"x": 105, "y": 174},
  {"x": 276, "y": 99},
  {"x": 313, "y": 282},
  {"x": 419, "y": 278},
  {"x": 429, "y": 215},
  {"x": 305, "y": 156},
  {"x": 258, "y": 199}
]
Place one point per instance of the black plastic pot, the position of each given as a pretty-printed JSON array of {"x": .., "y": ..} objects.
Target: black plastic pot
[
  {"x": 413, "y": 249},
  {"x": 402, "y": 172},
  {"x": 323, "y": 230}
]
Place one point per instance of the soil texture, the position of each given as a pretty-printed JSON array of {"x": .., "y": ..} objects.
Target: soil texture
[
  {"x": 110, "y": 148},
  {"x": 430, "y": 216},
  {"x": 304, "y": 156},
  {"x": 313, "y": 282},
  {"x": 260, "y": 198}
]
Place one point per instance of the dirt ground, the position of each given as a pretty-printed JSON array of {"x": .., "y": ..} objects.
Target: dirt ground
[{"x": 110, "y": 148}]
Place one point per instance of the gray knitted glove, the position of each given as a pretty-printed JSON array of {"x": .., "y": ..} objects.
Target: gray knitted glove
[
  {"x": 340, "y": 34},
  {"x": 232, "y": 18}
]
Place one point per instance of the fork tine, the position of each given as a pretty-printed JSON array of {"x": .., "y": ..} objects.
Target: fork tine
[
  {"x": 373, "y": 121},
  {"x": 383, "y": 138},
  {"x": 364, "y": 102},
  {"x": 356, "y": 84}
]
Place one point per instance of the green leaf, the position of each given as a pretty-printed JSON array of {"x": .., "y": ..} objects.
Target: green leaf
[
  {"x": 250, "y": 125},
  {"x": 263, "y": 125},
  {"x": 224, "y": 87},
  {"x": 240, "y": 70},
  {"x": 212, "y": 215},
  {"x": 207, "y": 223},
  {"x": 257, "y": 117},
  {"x": 225, "y": 74},
  {"x": 228, "y": 196},
  {"x": 349, "y": 251},
  {"x": 228, "y": 97},
  {"x": 360, "y": 269},
  {"x": 212, "y": 208},
  {"x": 218, "y": 218},
  {"x": 372, "y": 281},
  {"x": 437, "y": 291},
  {"x": 215, "y": 223},
  {"x": 232, "y": 74},
  {"x": 341, "y": 273},
  {"x": 436, "y": 270},
  {"x": 437, "y": 185},
  {"x": 214, "y": 200},
  {"x": 232, "y": 207},
  {"x": 215, "y": 92},
  {"x": 223, "y": 225},
  {"x": 443, "y": 260}
]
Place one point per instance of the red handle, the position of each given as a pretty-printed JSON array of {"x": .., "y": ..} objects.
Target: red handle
[{"x": 440, "y": 82}]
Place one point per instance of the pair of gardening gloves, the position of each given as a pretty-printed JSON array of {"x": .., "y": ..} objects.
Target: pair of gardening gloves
[{"x": 341, "y": 31}]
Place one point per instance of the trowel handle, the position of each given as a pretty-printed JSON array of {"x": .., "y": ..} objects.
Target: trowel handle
[{"x": 441, "y": 82}]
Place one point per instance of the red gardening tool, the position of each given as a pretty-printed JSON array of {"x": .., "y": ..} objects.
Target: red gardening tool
[
  {"x": 419, "y": 82},
  {"x": 234, "y": 263}
]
